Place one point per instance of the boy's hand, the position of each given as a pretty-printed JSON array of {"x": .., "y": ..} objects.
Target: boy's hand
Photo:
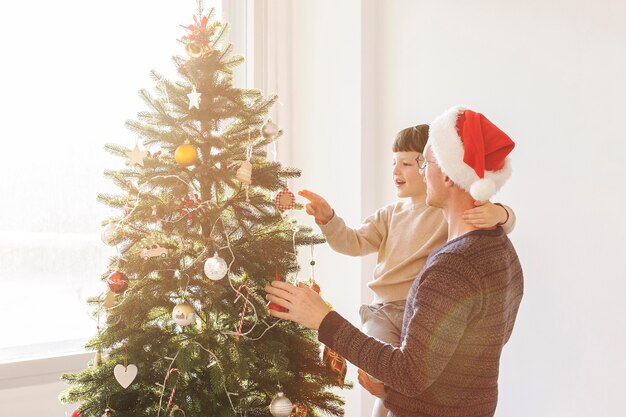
[
  {"x": 303, "y": 305},
  {"x": 485, "y": 215},
  {"x": 372, "y": 387},
  {"x": 317, "y": 207}
]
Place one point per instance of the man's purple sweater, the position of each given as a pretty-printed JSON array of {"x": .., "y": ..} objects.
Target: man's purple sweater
[{"x": 459, "y": 314}]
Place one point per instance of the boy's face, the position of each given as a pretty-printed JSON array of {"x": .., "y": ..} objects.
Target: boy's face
[{"x": 406, "y": 176}]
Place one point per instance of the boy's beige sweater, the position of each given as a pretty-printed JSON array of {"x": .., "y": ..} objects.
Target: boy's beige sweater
[{"x": 403, "y": 234}]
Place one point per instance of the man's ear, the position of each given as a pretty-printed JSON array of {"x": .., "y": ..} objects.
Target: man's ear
[{"x": 448, "y": 182}]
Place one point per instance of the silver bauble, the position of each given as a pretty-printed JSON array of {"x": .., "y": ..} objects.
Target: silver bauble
[
  {"x": 215, "y": 268},
  {"x": 270, "y": 130},
  {"x": 281, "y": 406}
]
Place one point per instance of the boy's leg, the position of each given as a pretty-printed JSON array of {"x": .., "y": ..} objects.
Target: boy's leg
[{"x": 383, "y": 322}]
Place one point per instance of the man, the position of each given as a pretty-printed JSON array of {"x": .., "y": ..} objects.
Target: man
[{"x": 462, "y": 306}]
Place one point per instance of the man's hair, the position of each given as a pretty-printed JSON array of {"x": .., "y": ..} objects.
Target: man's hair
[{"x": 411, "y": 139}]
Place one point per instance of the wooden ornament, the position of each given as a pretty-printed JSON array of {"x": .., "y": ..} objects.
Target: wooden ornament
[{"x": 125, "y": 375}]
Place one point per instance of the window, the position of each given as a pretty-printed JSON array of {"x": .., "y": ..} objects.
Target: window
[{"x": 69, "y": 86}]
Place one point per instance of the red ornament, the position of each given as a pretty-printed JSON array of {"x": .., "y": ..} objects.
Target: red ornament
[
  {"x": 75, "y": 413},
  {"x": 285, "y": 200},
  {"x": 337, "y": 363},
  {"x": 118, "y": 282},
  {"x": 314, "y": 286},
  {"x": 299, "y": 410},
  {"x": 274, "y": 306}
]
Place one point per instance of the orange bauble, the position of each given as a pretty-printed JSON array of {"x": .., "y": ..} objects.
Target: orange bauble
[{"x": 186, "y": 154}]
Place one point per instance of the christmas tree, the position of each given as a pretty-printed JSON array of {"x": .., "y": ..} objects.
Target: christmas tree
[{"x": 201, "y": 226}]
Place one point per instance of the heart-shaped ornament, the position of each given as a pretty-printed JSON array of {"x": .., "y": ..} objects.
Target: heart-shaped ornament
[{"x": 125, "y": 375}]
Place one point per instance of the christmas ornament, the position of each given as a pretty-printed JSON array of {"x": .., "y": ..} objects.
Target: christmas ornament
[
  {"x": 285, "y": 200},
  {"x": 107, "y": 413},
  {"x": 270, "y": 130},
  {"x": 136, "y": 156},
  {"x": 153, "y": 251},
  {"x": 183, "y": 314},
  {"x": 215, "y": 268},
  {"x": 272, "y": 305},
  {"x": 200, "y": 36},
  {"x": 194, "y": 98},
  {"x": 75, "y": 414},
  {"x": 109, "y": 299},
  {"x": 299, "y": 410},
  {"x": 186, "y": 154},
  {"x": 244, "y": 173},
  {"x": 188, "y": 205},
  {"x": 97, "y": 359},
  {"x": 118, "y": 282},
  {"x": 169, "y": 373},
  {"x": 313, "y": 285},
  {"x": 280, "y": 406},
  {"x": 245, "y": 304},
  {"x": 312, "y": 282},
  {"x": 193, "y": 50},
  {"x": 337, "y": 363},
  {"x": 108, "y": 232},
  {"x": 125, "y": 374}
]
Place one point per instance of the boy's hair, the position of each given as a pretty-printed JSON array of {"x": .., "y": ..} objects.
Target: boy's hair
[{"x": 411, "y": 139}]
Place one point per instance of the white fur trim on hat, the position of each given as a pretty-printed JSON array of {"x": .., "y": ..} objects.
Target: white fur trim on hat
[
  {"x": 447, "y": 147},
  {"x": 483, "y": 189}
]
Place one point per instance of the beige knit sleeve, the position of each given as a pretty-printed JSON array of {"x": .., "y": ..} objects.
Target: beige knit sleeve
[
  {"x": 357, "y": 242},
  {"x": 509, "y": 225}
]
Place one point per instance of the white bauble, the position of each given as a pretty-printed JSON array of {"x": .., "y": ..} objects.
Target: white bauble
[
  {"x": 281, "y": 406},
  {"x": 215, "y": 268},
  {"x": 108, "y": 232},
  {"x": 183, "y": 314}
]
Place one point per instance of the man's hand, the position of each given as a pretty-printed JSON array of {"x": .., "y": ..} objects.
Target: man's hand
[
  {"x": 372, "y": 387},
  {"x": 317, "y": 207},
  {"x": 304, "y": 305},
  {"x": 485, "y": 215}
]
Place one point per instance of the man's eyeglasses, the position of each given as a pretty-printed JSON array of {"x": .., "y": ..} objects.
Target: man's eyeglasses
[{"x": 422, "y": 162}]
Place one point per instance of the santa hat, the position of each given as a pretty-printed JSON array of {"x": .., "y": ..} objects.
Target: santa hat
[{"x": 471, "y": 151}]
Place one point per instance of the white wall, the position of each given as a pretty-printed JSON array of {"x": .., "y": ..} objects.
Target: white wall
[
  {"x": 325, "y": 137},
  {"x": 551, "y": 74}
]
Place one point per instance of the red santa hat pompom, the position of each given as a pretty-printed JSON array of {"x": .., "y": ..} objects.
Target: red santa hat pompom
[{"x": 471, "y": 151}]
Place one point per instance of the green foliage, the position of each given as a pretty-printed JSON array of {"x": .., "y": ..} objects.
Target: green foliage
[{"x": 193, "y": 212}]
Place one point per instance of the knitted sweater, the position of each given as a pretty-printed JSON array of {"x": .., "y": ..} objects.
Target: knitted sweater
[
  {"x": 403, "y": 234},
  {"x": 459, "y": 314}
]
